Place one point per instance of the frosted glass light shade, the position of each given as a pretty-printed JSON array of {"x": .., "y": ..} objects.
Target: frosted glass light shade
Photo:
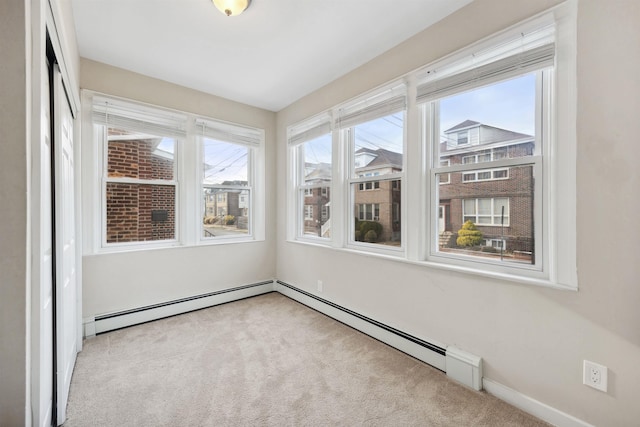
[{"x": 231, "y": 7}]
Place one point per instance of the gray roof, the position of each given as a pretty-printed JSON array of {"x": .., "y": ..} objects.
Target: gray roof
[
  {"x": 382, "y": 157},
  {"x": 465, "y": 124}
]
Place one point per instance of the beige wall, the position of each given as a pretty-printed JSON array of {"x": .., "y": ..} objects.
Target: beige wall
[
  {"x": 14, "y": 266},
  {"x": 113, "y": 282},
  {"x": 532, "y": 339},
  {"x": 22, "y": 31}
]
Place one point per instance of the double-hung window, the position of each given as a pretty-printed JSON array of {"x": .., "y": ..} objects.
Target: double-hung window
[
  {"x": 166, "y": 178},
  {"x": 140, "y": 175},
  {"x": 479, "y": 166},
  {"x": 499, "y": 98},
  {"x": 311, "y": 142},
  {"x": 227, "y": 154},
  {"x": 373, "y": 136}
]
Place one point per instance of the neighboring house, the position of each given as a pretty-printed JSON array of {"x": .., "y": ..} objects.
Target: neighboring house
[
  {"x": 222, "y": 202},
  {"x": 137, "y": 212},
  {"x": 379, "y": 200},
  {"x": 317, "y": 201},
  {"x": 480, "y": 195}
]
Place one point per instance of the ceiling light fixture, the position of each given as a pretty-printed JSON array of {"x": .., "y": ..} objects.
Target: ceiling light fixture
[{"x": 232, "y": 7}]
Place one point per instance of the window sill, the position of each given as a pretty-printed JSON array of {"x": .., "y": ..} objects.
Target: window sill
[
  {"x": 171, "y": 245},
  {"x": 513, "y": 278}
]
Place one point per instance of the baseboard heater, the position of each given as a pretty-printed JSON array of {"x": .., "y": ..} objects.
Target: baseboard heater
[
  {"x": 432, "y": 354},
  {"x": 459, "y": 365},
  {"x": 121, "y": 319}
]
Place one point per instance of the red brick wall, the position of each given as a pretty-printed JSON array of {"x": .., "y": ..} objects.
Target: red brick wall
[{"x": 130, "y": 206}]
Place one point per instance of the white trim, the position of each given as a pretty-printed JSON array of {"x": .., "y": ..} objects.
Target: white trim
[
  {"x": 187, "y": 179},
  {"x": 123, "y": 319},
  {"x": 89, "y": 327},
  {"x": 419, "y": 352},
  {"x": 532, "y": 406},
  {"x": 466, "y": 368}
]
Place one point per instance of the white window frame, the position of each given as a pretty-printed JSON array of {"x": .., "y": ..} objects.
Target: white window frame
[
  {"x": 189, "y": 201},
  {"x": 492, "y": 215},
  {"x": 555, "y": 185},
  {"x": 557, "y": 173},
  {"x": 229, "y": 133},
  {"x": 308, "y": 212},
  {"x": 297, "y": 135},
  {"x": 491, "y": 172},
  {"x": 387, "y": 100}
]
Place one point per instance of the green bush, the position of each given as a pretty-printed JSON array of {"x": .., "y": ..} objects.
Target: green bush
[
  {"x": 469, "y": 235},
  {"x": 366, "y": 226},
  {"x": 358, "y": 236},
  {"x": 229, "y": 220},
  {"x": 371, "y": 236}
]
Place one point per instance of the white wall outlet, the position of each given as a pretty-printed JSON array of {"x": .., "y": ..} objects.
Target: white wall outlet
[
  {"x": 594, "y": 375},
  {"x": 320, "y": 286}
]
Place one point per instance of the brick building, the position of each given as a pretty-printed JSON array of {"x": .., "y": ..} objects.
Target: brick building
[
  {"x": 317, "y": 201},
  {"x": 220, "y": 202},
  {"x": 379, "y": 201},
  {"x": 138, "y": 211},
  {"x": 480, "y": 195}
]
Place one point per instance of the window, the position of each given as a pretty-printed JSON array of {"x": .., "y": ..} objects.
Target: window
[
  {"x": 486, "y": 175},
  {"x": 498, "y": 151},
  {"x": 227, "y": 154},
  {"x": 139, "y": 173},
  {"x": 462, "y": 138},
  {"x": 486, "y": 211},
  {"x": 444, "y": 178},
  {"x": 139, "y": 151},
  {"x": 308, "y": 212},
  {"x": 372, "y": 132},
  {"x": 503, "y": 107},
  {"x": 311, "y": 143},
  {"x": 369, "y": 212}
]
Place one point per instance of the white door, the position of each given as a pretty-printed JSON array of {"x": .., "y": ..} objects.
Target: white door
[
  {"x": 46, "y": 266},
  {"x": 442, "y": 211},
  {"x": 65, "y": 258}
]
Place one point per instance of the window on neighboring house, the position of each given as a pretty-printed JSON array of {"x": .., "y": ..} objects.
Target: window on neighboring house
[
  {"x": 486, "y": 211},
  {"x": 143, "y": 186},
  {"x": 373, "y": 128},
  {"x": 370, "y": 185},
  {"x": 463, "y": 138},
  {"x": 486, "y": 175},
  {"x": 369, "y": 212},
  {"x": 308, "y": 212},
  {"x": 444, "y": 178},
  {"x": 311, "y": 143}
]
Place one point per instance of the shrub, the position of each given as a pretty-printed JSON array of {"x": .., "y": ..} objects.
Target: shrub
[
  {"x": 371, "y": 236},
  {"x": 469, "y": 235},
  {"x": 229, "y": 220},
  {"x": 358, "y": 236},
  {"x": 366, "y": 226}
]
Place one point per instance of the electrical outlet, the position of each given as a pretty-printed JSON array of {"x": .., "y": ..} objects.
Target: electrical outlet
[
  {"x": 594, "y": 375},
  {"x": 320, "y": 287}
]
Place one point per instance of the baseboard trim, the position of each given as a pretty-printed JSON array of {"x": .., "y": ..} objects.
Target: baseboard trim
[
  {"x": 425, "y": 351},
  {"x": 121, "y": 319},
  {"x": 534, "y": 407}
]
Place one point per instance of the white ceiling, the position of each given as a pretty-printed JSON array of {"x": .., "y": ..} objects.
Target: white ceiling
[{"x": 276, "y": 52}]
